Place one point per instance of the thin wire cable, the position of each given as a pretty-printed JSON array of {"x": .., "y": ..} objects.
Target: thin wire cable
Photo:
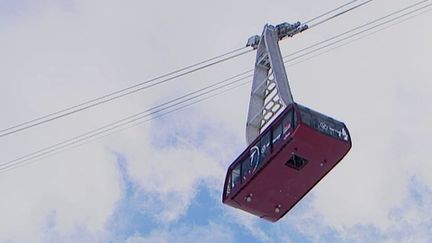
[
  {"x": 339, "y": 14},
  {"x": 329, "y": 12},
  {"x": 10, "y": 166},
  {"x": 120, "y": 93},
  {"x": 359, "y": 38},
  {"x": 114, "y": 125},
  {"x": 359, "y": 33},
  {"x": 356, "y": 28},
  {"x": 34, "y": 154}
]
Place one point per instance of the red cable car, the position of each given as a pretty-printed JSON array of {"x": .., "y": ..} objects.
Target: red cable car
[
  {"x": 285, "y": 162},
  {"x": 291, "y": 147}
]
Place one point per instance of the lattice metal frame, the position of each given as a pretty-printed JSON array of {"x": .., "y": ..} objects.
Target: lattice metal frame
[
  {"x": 270, "y": 89},
  {"x": 272, "y": 103}
]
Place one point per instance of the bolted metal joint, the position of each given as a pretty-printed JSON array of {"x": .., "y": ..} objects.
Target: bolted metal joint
[
  {"x": 287, "y": 29},
  {"x": 283, "y": 30},
  {"x": 303, "y": 28},
  {"x": 253, "y": 41}
]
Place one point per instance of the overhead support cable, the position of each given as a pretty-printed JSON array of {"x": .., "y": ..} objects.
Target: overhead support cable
[
  {"x": 353, "y": 39},
  {"x": 339, "y": 14},
  {"x": 329, "y": 12},
  {"x": 151, "y": 114},
  {"x": 361, "y": 28},
  {"x": 123, "y": 92}
]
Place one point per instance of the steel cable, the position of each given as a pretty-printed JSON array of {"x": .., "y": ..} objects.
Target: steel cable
[{"x": 120, "y": 93}]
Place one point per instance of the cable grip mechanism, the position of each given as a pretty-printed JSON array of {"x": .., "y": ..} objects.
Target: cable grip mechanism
[{"x": 283, "y": 30}]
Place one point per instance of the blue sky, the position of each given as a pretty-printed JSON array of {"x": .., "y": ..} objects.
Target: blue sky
[{"x": 162, "y": 181}]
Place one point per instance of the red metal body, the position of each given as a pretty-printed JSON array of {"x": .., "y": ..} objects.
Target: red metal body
[{"x": 285, "y": 162}]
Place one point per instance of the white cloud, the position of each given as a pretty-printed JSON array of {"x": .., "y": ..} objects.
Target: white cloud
[
  {"x": 409, "y": 221},
  {"x": 249, "y": 223},
  {"x": 168, "y": 175},
  {"x": 59, "y": 196},
  {"x": 207, "y": 234}
]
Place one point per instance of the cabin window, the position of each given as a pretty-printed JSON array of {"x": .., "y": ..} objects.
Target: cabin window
[
  {"x": 228, "y": 186},
  {"x": 333, "y": 129},
  {"x": 235, "y": 176},
  {"x": 277, "y": 133},
  {"x": 288, "y": 124},
  {"x": 328, "y": 126},
  {"x": 246, "y": 168},
  {"x": 306, "y": 117},
  {"x": 264, "y": 148},
  {"x": 323, "y": 124}
]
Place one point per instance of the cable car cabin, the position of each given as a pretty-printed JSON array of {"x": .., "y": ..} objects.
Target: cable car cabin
[{"x": 285, "y": 162}]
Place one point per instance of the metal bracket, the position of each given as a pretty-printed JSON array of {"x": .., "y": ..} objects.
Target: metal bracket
[{"x": 270, "y": 88}]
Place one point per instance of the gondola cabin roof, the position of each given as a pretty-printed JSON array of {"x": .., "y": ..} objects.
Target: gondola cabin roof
[{"x": 285, "y": 162}]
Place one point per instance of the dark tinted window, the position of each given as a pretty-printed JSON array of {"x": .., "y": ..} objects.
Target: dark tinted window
[
  {"x": 277, "y": 133},
  {"x": 306, "y": 117},
  {"x": 288, "y": 124},
  {"x": 332, "y": 128},
  {"x": 228, "y": 186},
  {"x": 323, "y": 124},
  {"x": 235, "y": 176},
  {"x": 265, "y": 148},
  {"x": 246, "y": 167}
]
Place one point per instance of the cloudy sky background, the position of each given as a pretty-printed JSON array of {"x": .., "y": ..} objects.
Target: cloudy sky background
[{"x": 162, "y": 181}]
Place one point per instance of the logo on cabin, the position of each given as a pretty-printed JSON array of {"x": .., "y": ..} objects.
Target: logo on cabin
[
  {"x": 330, "y": 130},
  {"x": 254, "y": 157},
  {"x": 323, "y": 126}
]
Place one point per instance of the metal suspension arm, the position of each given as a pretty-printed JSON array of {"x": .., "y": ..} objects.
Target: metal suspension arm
[{"x": 270, "y": 87}]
